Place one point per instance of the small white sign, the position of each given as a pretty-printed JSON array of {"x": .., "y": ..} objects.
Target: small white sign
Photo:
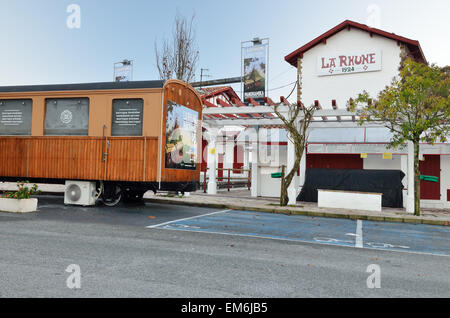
[{"x": 366, "y": 61}]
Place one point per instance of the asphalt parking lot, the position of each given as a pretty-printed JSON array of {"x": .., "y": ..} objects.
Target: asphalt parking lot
[
  {"x": 402, "y": 237},
  {"x": 160, "y": 250}
]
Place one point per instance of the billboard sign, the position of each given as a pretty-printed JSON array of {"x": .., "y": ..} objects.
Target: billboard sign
[
  {"x": 358, "y": 62},
  {"x": 255, "y": 62},
  {"x": 181, "y": 137},
  {"x": 123, "y": 71}
]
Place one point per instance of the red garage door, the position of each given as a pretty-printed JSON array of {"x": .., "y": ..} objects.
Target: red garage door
[
  {"x": 204, "y": 164},
  {"x": 431, "y": 166},
  {"x": 333, "y": 161},
  {"x": 220, "y": 167}
]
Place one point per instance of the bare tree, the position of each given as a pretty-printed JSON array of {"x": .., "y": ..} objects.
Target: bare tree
[
  {"x": 178, "y": 57},
  {"x": 296, "y": 124}
]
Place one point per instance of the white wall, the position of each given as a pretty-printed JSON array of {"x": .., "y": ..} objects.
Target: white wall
[
  {"x": 377, "y": 162},
  {"x": 342, "y": 87},
  {"x": 445, "y": 180}
]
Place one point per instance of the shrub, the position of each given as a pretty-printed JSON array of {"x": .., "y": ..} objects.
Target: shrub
[{"x": 23, "y": 191}]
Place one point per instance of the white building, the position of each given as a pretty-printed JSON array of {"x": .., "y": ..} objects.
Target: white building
[{"x": 333, "y": 68}]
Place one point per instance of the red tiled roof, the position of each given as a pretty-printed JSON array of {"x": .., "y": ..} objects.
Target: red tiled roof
[
  {"x": 413, "y": 45},
  {"x": 207, "y": 92}
]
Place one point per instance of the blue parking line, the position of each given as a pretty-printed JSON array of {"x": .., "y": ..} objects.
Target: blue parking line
[{"x": 418, "y": 238}]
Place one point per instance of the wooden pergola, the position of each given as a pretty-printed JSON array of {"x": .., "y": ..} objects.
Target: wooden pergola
[{"x": 255, "y": 115}]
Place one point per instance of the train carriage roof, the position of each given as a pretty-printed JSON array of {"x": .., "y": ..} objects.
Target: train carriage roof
[{"x": 83, "y": 86}]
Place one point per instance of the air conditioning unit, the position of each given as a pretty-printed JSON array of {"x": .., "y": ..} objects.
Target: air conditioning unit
[{"x": 80, "y": 193}]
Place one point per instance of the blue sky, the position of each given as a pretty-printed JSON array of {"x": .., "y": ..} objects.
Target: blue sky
[{"x": 37, "y": 47}]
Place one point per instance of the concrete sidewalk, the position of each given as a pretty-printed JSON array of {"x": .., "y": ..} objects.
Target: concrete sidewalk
[{"x": 240, "y": 199}]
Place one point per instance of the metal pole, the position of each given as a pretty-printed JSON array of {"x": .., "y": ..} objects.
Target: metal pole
[
  {"x": 242, "y": 75},
  {"x": 204, "y": 181},
  {"x": 267, "y": 69}
]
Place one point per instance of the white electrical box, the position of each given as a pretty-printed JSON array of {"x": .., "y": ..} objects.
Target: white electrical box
[{"x": 80, "y": 193}]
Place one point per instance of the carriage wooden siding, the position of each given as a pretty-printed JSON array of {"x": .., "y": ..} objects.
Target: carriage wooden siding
[
  {"x": 136, "y": 158},
  {"x": 129, "y": 159}
]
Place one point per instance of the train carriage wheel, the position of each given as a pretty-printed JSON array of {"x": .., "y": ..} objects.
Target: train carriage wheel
[
  {"x": 133, "y": 196},
  {"x": 112, "y": 194}
]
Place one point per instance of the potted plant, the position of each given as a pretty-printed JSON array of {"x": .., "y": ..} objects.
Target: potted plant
[{"x": 20, "y": 200}]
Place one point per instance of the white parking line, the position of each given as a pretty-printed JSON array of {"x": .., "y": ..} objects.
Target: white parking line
[
  {"x": 300, "y": 241},
  {"x": 192, "y": 217},
  {"x": 359, "y": 234}
]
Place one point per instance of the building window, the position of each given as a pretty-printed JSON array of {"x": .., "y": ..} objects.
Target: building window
[
  {"x": 127, "y": 117},
  {"x": 15, "y": 116},
  {"x": 67, "y": 117}
]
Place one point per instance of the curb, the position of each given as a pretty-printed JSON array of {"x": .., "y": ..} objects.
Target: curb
[{"x": 399, "y": 219}]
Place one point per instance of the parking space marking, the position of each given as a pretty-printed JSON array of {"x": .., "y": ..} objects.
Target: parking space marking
[
  {"x": 338, "y": 232},
  {"x": 184, "y": 219},
  {"x": 359, "y": 234}
]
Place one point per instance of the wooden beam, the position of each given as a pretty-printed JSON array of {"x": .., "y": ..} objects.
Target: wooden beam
[
  {"x": 284, "y": 100},
  {"x": 334, "y": 105},
  {"x": 319, "y": 107}
]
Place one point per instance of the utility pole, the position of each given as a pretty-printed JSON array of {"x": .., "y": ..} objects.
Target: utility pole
[{"x": 203, "y": 75}]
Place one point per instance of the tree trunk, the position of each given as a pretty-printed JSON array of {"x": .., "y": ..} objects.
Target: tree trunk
[
  {"x": 416, "y": 179},
  {"x": 284, "y": 199},
  {"x": 287, "y": 179}
]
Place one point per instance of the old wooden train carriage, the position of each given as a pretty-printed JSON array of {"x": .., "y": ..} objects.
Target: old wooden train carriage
[{"x": 128, "y": 137}]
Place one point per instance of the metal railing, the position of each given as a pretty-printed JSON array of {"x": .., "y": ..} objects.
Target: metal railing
[{"x": 229, "y": 177}]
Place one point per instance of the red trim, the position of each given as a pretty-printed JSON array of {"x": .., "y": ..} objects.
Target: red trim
[
  {"x": 237, "y": 102},
  {"x": 222, "y": 103},
  {"x": 274, "y": 143},
  {"x": 334, "y": 161},
  {"x": 253, "y": 102},
  {"x": 227, "y": 90},
  {"x": 269, "y": 101},
  {"x": 318, "y": 106},
  {"x": 413, "y": 45},
  {"x": 284, "y": 100},
  {"x": 225, "y": 104},
  {"x": 208, "y": 104}
]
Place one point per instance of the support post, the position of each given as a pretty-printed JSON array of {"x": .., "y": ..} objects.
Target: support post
[
  {"x": 410, "y": 176},
  {"x": 246, "y": 161},
  {"x": 404, "y": 169},
  {"x": 302, "y": 169},
  {"x": 292, "y": 189},
  {"x": 255, "y": 168},
  {"x": 212, "y": 165}
]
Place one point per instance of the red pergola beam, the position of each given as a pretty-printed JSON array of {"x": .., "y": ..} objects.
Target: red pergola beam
[
  {"x": 284, "y": 101},
  {"x": 223, "y": 103},
  {"x": 334, "y": 105},
  {"x": 318, "y": 106},
  {"x": 209, "y": 104}
]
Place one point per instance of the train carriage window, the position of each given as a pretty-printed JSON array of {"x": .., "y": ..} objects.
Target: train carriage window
[
  {"x": 15, "y": 116},
  {"x": 127, "y": 117},
  {"x": 67, "y": 116}
]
